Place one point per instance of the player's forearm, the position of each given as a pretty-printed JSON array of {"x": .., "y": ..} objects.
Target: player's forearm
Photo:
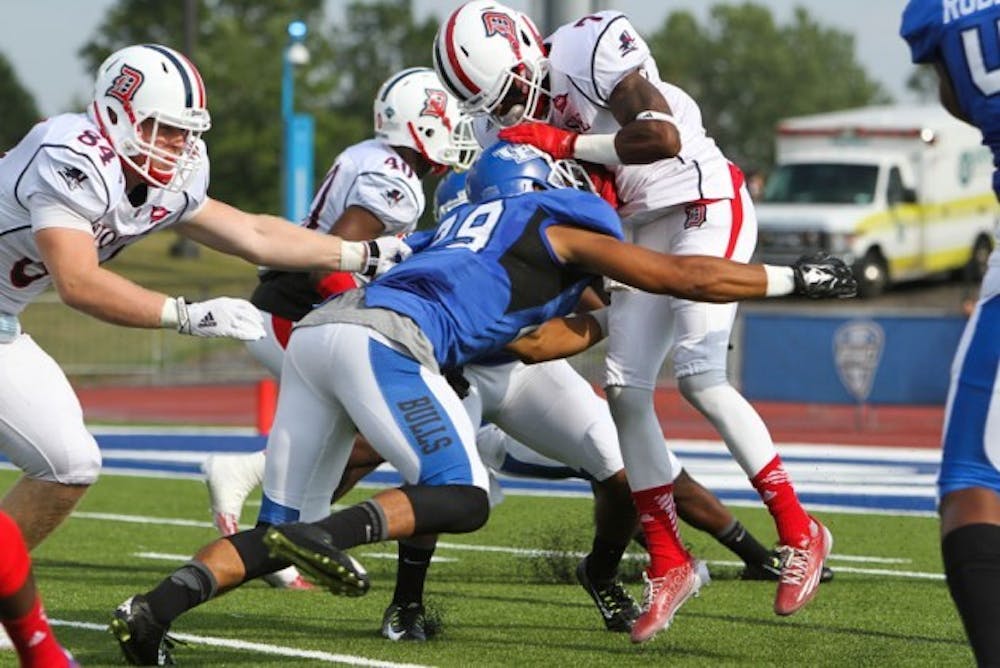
[
  {"x": 694, "y": 277},
  {"x": 558, "y": 338},
  {"x": 278, "y": 244},
  {"x": 107, "y": 296}
]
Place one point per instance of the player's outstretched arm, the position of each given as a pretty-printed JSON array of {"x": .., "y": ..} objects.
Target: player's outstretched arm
[
  {"x": 84, "y": 285},
  {"x": 275, "y": 242},
  {"x": 697, "y": 277}
]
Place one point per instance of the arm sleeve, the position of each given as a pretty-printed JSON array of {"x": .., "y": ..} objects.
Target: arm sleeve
[
  {"x": 48, "y": 211},
  {"x": 392, "y": 200}
]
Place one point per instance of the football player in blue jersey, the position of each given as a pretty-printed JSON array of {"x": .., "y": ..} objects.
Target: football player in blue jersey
[
  {"x": 520, "y": 253},
  {"x": 960, "y": 40}
]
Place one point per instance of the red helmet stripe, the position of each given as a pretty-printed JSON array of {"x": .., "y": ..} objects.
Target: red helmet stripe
[
  {"x": 453, "y": 57},
  {"x": 199, "y": 84}
]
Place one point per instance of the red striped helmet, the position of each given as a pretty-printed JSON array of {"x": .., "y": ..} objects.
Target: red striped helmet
[
  {"x": 412, "y": 108},
  {"x": 492, "y": 59},
  {"x": 151, "y": 82}
]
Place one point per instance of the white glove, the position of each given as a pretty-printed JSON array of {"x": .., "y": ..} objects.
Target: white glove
[
  {"x": 384, "y": 253},
  {"x": 219, "y": 317}
]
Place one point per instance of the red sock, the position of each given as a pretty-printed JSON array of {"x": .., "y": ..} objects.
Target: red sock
[
  {"x": 775, "y": 488},
  {"x": 33, "y": 639},
  {"x": 659, "y": 522},
  {"x": 15, "y": 564}
]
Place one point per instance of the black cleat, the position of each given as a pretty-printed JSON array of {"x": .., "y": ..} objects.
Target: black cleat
[
  {"x": 142, "y": 639},
  {"x": 617, "y": 607},
  {"x": 771, "y": 570},
  {"x": 311, "y": 549},
  {"x": 405, "y": 622}
]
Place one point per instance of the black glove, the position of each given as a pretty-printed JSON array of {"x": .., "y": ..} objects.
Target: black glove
[
  {"x": 821, "y": 276},
  {"x": 457, "y": 381}
]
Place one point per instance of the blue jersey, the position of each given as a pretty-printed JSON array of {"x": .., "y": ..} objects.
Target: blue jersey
[
  {"x": 489, "y": 274},
  {"x": 965, "y": 40}
]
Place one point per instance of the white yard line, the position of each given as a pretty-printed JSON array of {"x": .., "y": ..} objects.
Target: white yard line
[
  {"x": 260, "y": 648},
  {"x": 500, "y": 549}
]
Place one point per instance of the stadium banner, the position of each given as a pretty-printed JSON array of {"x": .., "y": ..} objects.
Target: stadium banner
[{"x": 896, "y": 359}]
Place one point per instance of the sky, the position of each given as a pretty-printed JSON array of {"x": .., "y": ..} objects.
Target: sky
[{"x": 56, "y": 77}]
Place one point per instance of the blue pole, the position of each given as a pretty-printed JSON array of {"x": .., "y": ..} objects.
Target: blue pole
[{"x": 297, "y": 167}]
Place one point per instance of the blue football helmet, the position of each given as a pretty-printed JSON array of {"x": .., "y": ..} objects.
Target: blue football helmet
[
  {"x": 450, "y": 193},
  {"x": 506, "y": 170}
]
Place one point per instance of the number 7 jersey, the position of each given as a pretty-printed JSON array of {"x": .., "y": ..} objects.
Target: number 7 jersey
[{"x": 66, "y": 166}]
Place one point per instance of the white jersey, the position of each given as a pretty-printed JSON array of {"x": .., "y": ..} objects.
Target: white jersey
[
  {"x": 374, "y": 176},
  {"x": 588, "y": 59},
  {"x": 65, "y": 163}
]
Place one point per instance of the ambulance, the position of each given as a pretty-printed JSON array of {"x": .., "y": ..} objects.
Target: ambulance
[{"x": 898, "y": 192}]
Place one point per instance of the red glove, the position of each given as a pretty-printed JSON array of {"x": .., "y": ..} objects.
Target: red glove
[{"x": 557, "y": 143}]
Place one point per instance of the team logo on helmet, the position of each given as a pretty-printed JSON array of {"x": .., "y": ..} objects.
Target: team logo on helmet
[
  {"x": 436, "y": 105},
  {"x": 498, "y": 23},
  {"x": 626, "y": 43},
  {"x": 518, "y": 153},
  {"x": 125, "y": 84}
]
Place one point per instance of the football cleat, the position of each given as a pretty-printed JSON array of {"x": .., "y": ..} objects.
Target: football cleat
[
  {"x": 142, "y": 639},
  {"x": 770, "y": 570},
  {"x": 664, "y": 596},
  {"x": 801, "y": 569},
  {"x": 288, "y": 578},
  {"x": 405, "y": 622},
  {"x": 311, "y": 549},
  {"x": 230, "y": 479},
  {"x": 617, "y": 607}
]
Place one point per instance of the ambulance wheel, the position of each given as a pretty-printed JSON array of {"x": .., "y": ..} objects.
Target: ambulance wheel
[{"x": 872, "y": 273}]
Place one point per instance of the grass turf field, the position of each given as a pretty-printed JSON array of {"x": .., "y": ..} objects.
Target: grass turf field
[{"x": 503, "y": 606}]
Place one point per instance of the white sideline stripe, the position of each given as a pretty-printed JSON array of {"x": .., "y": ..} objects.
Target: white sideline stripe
[
  {"x": 872, "y": 560},
  {"x": 140, "y": 519},
  {"x": 261, "y": 648}
]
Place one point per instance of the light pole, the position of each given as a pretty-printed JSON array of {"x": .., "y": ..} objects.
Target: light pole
[{"x": 297, "y": 170}]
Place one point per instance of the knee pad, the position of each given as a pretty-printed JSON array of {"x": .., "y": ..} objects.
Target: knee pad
[
  {"x": 690, "y": 386},
  {"x": 447, "y": 508}
]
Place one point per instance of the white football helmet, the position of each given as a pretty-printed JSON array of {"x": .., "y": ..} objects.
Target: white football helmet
[
  {"x": 412, "y": 108},
  {"x": 149, "y": 81},
  {"x": 492, "y": 59}
]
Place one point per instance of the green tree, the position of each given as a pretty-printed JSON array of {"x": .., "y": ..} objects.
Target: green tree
[
  {"x": 746, "y": 73},
  {"x": 18, "y": 111}
]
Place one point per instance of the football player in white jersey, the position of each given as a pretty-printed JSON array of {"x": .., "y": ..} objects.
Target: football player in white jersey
[
  {"x": 74, "y": 192},
  {"x": 593, "y": 92},
  {"x": 373, "y": 188}
]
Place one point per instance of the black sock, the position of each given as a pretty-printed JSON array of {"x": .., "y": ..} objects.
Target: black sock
[
  {"x": 972, "y": 566},
  {"x": 411, "y": 573},
  {"x": 189, "y": 586},
  {"x": 602, "y": 562},
  {"x": 358, "y": 525},
  {"x": 740, "y": 541}
]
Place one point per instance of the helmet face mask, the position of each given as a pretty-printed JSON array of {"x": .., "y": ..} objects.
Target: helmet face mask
[
  {"x": 146, "y": 99},
  {"x": 413, "y": 109},
  {"x": 508, "y": 170},
  {"x": 492, "y": 59}
]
